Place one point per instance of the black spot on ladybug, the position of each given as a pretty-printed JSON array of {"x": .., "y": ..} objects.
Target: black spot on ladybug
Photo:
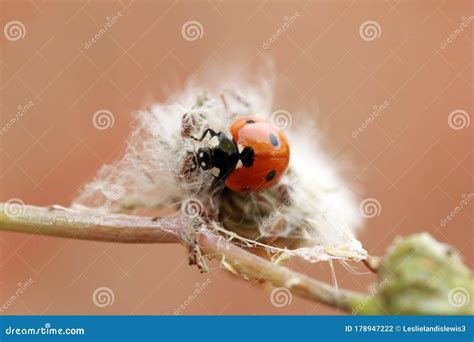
[
  {"x": 273, "y": 139},
  {"x": 247, "y": 156},
  {"x": 270, "y": 175},
  {"x": 250, "y": 121}
]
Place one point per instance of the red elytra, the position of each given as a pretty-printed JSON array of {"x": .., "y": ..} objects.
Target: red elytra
[{"x": 270, "y": 159}]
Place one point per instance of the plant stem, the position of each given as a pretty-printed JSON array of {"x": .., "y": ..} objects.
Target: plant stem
[
  {"x": 254, "y": 267},
  {"x": 84, "y": 225}
]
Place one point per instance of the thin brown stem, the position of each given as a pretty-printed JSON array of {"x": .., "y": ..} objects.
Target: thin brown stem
[
  {"x": 254, "y": 267},
  {"x": 67, "y": 223},
  {"x": 82, "y": 225}
]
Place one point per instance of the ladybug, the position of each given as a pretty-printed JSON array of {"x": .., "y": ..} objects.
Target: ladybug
[{"x": 254, "y": 158}]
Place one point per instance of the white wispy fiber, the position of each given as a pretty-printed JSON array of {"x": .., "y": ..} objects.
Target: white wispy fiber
[{"x": 318, "y": 209}]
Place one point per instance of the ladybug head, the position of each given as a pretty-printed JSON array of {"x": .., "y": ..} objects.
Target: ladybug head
[{"x": 204, "y": 158}]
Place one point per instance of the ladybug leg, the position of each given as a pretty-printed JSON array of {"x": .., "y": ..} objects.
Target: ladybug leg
[{"x": 209, "y": 130}]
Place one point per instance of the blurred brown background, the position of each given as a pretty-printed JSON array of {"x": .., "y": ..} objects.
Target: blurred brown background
[{"x": 410, "y": 157}]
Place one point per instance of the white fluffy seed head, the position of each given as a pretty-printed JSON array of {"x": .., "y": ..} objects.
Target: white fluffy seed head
[{"x": 317, "y": 210}]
